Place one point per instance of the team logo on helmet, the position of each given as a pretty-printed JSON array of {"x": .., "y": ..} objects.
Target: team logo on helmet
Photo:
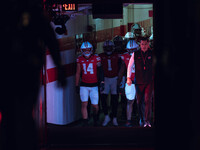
[
  {"x": 132, "y": 46},
  {"x": 86, "y": 48}
]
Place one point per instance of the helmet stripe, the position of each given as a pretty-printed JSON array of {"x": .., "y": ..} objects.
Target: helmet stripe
[{"x": 86, "y": 44}]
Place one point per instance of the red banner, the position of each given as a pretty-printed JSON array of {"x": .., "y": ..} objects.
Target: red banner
[{"x": 150, "y": 13}]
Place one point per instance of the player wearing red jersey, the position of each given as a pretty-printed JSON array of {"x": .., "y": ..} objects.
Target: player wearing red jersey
[
  {"x": 130, "y": 91},
  {"x": 119, "y": 44},
  {"x": 137, "y": 32},
  {"x": 89, "y": 68},
  {"x": 110, "y": 61}
]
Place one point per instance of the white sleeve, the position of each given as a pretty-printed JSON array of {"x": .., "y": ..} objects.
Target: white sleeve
[{"x": 130, "y": 66}]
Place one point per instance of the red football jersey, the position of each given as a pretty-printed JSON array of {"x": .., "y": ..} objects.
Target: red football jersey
[
  {"x": 89, "y": 68},
  {"x": 110, "y": 64},
  {"x": 126, "y": 57}
]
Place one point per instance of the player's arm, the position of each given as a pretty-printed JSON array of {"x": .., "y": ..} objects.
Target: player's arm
[
  {"x": 78, "y": 73},
  {"x": 100, "y": 73},
  {"x": 129, "y": 69}
]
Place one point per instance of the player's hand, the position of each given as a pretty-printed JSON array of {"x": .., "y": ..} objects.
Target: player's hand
[
  {"x": 102, "y": 86},
  {"x": 129, "y": 81},
  {"x": 78, "y": 89}
]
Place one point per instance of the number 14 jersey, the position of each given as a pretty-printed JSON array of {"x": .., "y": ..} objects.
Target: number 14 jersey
[{"x": 89, "y": 68}]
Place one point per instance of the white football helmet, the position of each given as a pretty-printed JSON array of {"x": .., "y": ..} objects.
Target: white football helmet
[
  {"x": 151, "y": 37},
  {"x": 136, "y": 29},
  {"x": 86, "y": 48},
  {"x": 132, "y": 46},
  {"x": 129, "y": 35},
  {"x": 143, "y": 33}
]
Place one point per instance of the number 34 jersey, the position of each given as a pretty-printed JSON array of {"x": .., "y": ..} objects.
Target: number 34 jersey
[{"x": 89, "y": 68}]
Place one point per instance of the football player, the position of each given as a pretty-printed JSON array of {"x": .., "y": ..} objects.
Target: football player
[
  {"x": 136, "y": 29},
  {"x": 138, "y": 32},
  {"x": 130, "y": 91},
  {"x": 110, "y": 63},
  {"x": 120, "y": 45},
  {"x": 91, "y": 73}
]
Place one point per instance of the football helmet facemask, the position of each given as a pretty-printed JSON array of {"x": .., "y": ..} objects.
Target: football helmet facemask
[
  {"x": 108, "y": 47},
  {"x": 132, "y": 46},
  {"x": 86, "y": 49}
]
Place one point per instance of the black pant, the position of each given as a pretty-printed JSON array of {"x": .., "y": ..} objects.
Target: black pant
[
  {"x": 144, "y": 101},
  {"x": 114, "y": 104}
]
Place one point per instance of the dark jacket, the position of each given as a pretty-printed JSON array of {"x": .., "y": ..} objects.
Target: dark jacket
[{"x": 143, "y": 66}]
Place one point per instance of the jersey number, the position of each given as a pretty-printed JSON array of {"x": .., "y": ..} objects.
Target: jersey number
[{"x": 88, "y": 69}]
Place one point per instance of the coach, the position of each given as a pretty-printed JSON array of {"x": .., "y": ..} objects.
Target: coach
[{"x": 144, "y": 81}]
